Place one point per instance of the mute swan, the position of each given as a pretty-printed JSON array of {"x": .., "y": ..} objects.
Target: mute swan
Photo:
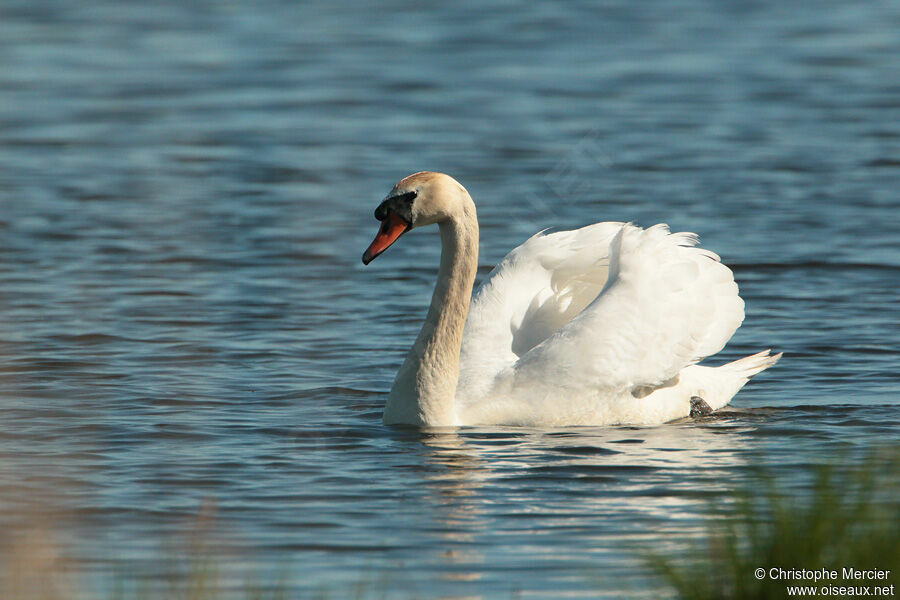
[{"x": 597, "y": 326}]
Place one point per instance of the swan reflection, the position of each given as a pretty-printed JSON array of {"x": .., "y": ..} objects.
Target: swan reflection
[{"x": 574, "y": 492}]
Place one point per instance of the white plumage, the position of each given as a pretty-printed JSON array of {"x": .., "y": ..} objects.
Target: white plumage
[{"x": 600, "y": 325}]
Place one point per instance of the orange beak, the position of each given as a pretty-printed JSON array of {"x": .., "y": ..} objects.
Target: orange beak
[{"x": 392, "y": 227}]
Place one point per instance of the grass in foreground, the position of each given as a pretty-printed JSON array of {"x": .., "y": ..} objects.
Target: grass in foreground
[{"x": 850, "y": 520}]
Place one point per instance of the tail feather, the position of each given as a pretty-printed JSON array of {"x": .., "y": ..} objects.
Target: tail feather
[
  {"x": 753, "y": 364},
  {"x": 718, "y": 385}
]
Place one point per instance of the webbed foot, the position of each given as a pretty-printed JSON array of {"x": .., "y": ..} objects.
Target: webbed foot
[{"x": 699, "y": 407}]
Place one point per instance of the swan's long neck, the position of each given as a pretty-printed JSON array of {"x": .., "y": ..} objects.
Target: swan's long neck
[{"x": 423, "y": 392}]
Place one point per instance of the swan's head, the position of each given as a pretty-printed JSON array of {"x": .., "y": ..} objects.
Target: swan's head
[{"x": 418, "y": 200}]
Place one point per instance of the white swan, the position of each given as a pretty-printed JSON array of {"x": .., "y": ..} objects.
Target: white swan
[{"x": 600, "y": 325}]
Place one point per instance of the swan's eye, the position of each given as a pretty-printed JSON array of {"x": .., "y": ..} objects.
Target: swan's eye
[
  {"x": 408, "y": 197},
  {"x": 405, "y": 197},
  {"x": 399, "y": 203}
]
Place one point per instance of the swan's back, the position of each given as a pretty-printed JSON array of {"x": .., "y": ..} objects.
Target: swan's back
[{"x": 607, "y": 310}]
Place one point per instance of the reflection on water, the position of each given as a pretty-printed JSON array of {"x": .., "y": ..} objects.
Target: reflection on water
[
  {"x": 456, "y": 502},
  {"x": 579, "y": 505},
  {"x": 185, "y": 190}
]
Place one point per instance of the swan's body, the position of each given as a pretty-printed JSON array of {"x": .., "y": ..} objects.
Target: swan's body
[{"x": 600, "y": 325}]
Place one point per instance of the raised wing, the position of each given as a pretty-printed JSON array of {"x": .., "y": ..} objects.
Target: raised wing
[
  {"x": 536, "y": 289},
  {"x": 666, "y": 305}
]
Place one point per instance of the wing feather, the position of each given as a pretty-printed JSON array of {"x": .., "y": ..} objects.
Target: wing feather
[
  {"x": 665, "y": 305},
  {"x": 536, "y": 289}
]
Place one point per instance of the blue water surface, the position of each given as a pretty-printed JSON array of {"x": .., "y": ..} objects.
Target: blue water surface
[{"x": 190, "y": 348}]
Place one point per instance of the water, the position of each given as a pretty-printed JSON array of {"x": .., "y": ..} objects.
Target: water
[{"x": 188, "y": 339}]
